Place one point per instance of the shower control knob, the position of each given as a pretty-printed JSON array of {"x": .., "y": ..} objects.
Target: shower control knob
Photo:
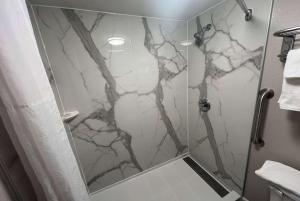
[{"x": 204, "y": 105}]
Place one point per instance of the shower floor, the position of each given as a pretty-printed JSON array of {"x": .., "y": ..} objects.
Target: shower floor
[{"x": 179, "y": 180}]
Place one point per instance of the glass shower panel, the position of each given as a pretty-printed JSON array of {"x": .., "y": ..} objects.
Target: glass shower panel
[
  {"x": 127, "y": 77},
  {"x": 225, "y": 63}
]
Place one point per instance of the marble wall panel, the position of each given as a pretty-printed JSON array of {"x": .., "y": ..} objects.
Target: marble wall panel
[{"x": 132, "y": 99}]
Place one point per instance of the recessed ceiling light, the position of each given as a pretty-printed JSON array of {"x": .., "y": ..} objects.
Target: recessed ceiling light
[
  {"x": 116, "y": 41},
  {"x": 186, "y": 42}
]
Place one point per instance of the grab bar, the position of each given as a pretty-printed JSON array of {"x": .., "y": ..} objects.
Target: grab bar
[{"x": 263, "y": 95}]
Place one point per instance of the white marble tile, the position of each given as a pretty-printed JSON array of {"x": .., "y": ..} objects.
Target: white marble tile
[
  {"x": 225, "y": 69},
  {"x": 175, "y": 181},
  {"x": 131, "y": 98}
]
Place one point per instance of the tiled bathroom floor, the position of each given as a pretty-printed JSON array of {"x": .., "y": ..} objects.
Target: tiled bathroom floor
[{"x": 175, "y": 181}]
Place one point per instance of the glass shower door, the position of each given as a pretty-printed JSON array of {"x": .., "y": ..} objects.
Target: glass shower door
[{"x": 225, "y": 64}]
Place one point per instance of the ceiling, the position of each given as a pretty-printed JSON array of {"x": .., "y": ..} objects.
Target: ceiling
[{"x": 175, "y": 9}]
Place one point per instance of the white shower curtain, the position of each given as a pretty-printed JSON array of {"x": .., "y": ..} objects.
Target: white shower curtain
[{"x": 29, "y": 110}]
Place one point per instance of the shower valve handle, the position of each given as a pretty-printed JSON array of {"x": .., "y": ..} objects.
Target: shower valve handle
[{"x": 204, "y": 105}]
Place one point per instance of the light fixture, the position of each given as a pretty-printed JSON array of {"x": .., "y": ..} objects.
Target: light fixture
[
  {"x": 116, "y": 41},
  {"x": 186, "y": 42}
]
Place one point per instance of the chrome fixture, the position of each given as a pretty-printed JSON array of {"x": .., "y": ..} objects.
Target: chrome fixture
[
  {"x": 289, "y": 37},
  {"x": 263, "y": 95},
  {"x": 204, "y": 105},
  {"x": 247, "y": 11},
  {"x": 199, "y": 36}
]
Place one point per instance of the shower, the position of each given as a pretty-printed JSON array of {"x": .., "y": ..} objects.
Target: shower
[
  {"x": 146, "y": 83},
  {"x": 148, "y": 99},
  {"x": 204, "y": 104}
]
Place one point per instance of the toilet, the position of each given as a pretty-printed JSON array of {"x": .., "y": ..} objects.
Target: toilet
[
  {"x": 284, "y": 181},
  {"x": 279, "y": 194}
]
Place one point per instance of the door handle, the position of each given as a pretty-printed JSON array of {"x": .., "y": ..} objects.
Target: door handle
[{"x": 263, "y": 95}]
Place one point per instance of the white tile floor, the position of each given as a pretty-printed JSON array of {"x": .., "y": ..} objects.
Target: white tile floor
[{"x": 175, "y": 181}]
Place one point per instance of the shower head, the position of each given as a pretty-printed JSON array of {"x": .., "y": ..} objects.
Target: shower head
[
  {"x": 207, "y": 27},
  {"x": 199, "y": 36}
]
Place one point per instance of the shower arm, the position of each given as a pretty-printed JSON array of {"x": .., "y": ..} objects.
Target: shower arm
[{"x": 246, "y": 10}]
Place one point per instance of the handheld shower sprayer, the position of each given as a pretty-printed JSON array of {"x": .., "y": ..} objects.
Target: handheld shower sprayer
[{"x": 199, "y": 36}]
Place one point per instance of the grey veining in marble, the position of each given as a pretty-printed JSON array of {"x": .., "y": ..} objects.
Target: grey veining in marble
[
  {"x": 224, "y": 67},
  {"x": 131, "y": 98}
]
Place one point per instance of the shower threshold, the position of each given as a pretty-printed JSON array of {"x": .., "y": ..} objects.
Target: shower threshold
[{"x": 179, "y": 180}]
